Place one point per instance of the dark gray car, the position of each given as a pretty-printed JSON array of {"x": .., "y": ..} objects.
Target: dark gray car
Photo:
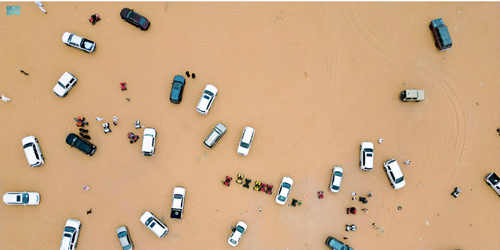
[
  {"x": 215, "y": 135},
  {"x": 124, "y": 238}
]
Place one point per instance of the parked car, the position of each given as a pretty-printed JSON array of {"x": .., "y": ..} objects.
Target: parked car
[
  {"x": 336, "y": 179},
  {"x": 65, "y": 83},
  {"x": 335, "y": 244},
  {"x": 284, "y": 191},
  {"x": 32, "y": 151},
  {"x": 178, "y": 199},
  {"x": 148, "y": 141},
  {"x": 154, "y": 224},
  {"x": 177, "y": 89},
  {"x": 124, "y": 238},
  {"x": 237, "y": 233},
  {"x": 366, "y": 156},
  {"x": 21, "y": 198},
  {"x": 412, "y": 95},
  {"x": 135, "y": 19},
  {"x": 78, "y": 42},
  {"x": 215, "y": 135},
  {"x": 70, "y": 235},
  {"x": 493, "y": 180},
  {"x": 441, "y": 34},
  {"x": 246, "y": 141},
  {"x": 394, "y": 174},
  {"x": 207, "y": 99},
  {"x": 81, "y": 144}
]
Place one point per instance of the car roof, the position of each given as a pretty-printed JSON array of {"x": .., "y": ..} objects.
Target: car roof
[
  {"x": 65, "y": 78},
  {"x": 247, "y": 134},
  {"x": 65, "y": 242},
  {"x": 30, "y": 155},
  {"x": 11, "y": 197},
  {"x": 221, "y": 127},
  {"x": 396, "y": 170},
  {"x": 76, "y": 39}
]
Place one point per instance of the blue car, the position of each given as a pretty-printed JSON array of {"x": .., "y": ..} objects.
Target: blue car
[
  {"x": 335, "y": 244},
  {"x": 177, "y": 89},
  {"x": 441, "y": 34}
]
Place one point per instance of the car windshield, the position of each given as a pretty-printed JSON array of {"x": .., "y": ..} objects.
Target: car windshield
[
  {"x": 149, "y": 221},
  {"x": 62, "y": 85},
  {"x": 335, "y": 187},
  {"x": 206, "y": 97},
  {"x": 286, "y": 185},
  {"x": 127, "y": 247},
  {"x": 368, "y": 150},
  {"x": 400, "y": 179},
  {"x": 282, "y": 198},
  {"x": 244, "y": 145},
  {"x": 240, "y": 229},
  {"x": 338, "y": 174},
  {"x": 143, "y": 21},
  {"x": 208, "y": 92},
  {"x": 26, "y": 198},
  {"x": 122, "y": 234},
  {"x": 233, "y": 241},
  {"x": 67, "y": 235},
  {"x": 178, "y": 196},
  {"x": 28, "y": 145},
  {"x": 69, "y": 229}
]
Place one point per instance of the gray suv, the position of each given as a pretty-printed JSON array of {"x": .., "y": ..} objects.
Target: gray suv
[{"x": 215, "y": 135}]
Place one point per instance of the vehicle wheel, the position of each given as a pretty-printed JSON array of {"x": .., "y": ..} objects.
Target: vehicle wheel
[
  {"x": 360, "y": 163},
  {"x": 392, "y": 185},
  {"x": 43, "y": 158},
  {"x": 437, "y": 46},
  {"x": 417, "y": 101},
  {"x": 430, "y": 26},
  {"x": 385, "y": 170},
  {"x": 36, "y": 140}
]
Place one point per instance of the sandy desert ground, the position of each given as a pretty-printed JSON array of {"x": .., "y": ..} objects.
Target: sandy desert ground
[{"x": 313, "y": 79}]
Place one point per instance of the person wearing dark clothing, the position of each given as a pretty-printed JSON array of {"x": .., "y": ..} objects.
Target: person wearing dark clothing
[
  {"x": 22, "y": 71},
  {"x": 187, "y": 73},
  {"x": 194, "y": 76}
]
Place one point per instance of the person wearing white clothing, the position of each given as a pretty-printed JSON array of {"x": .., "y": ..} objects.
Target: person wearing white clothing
[
  {"x": 40, "y": 5},
  {"x": 6, "y": 99}
]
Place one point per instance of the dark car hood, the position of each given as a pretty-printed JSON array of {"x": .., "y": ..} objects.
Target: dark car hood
[{"x": 124, "y": 13}]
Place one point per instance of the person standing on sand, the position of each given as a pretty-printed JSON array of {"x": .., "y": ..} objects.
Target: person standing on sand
[{"x": 40, "y": 5}]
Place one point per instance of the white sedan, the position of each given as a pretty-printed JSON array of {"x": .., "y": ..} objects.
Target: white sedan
[
  {"x": 21, "y": 198},
  {"x": 336, "y": 180},
  {"x": 70, "y": 235},
  {"x": 78, "y": 42},
  {"x": 207, "y": 99},
  {"x": 246, "y": 141},
  {"x": 284, "y": 191},
  {"x": 237, "y": 233}
]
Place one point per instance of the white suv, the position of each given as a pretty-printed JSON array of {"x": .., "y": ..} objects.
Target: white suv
[
  {"x": 70, "y": 235},
  {"x": 155, "y": 225},
  {"x": 284, "y": 191},
  {"x": 207, "y": 99},
  {"x": 366, "y": 156},
  {"x": 148, "y": 141},
  {"x": 65, "y": 83},
  {"x": 246, "y": 141},
  {"x": 32, "y": 151},
  {"x": 394, "y": 174},
  {"x": 336, "y": 180}
]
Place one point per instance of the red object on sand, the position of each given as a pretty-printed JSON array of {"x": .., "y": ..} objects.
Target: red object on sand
[{"x": 123, "y": 86}]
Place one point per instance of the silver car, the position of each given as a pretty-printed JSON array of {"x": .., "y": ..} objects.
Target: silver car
[{"x": 124, "y": 238}]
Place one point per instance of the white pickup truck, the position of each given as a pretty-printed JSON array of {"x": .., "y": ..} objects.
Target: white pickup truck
[
  {"x": 412, "y": 95},
  {"x": 494, "y": 181},
  {"x": 178, "y": 203}
]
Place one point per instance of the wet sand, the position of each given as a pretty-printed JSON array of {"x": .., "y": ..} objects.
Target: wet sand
[{"x": 313, "y": 79}]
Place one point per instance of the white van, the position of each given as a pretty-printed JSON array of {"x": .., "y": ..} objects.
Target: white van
[
  {"x": 32, "y": 151},
  {"x": 148, "y": 141}
]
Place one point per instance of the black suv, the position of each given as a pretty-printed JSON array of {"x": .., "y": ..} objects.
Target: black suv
[
  {"x": 441, "y": 34},
  {"x": 81, "y": 144},
  {"x": 177, "y": 89},
  {"x": 135, "y": 19}
]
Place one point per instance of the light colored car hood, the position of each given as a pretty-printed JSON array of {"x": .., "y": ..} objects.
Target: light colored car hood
[
  {"x": 243, "y": 151},
  {"x": 65, "y": 37}
]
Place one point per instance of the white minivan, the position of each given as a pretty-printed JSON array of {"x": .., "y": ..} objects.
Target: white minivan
[
  {"x": 148, "y": 141},
  {"x": 32, "y": 151},
  {"x": 366, "y": 156}
]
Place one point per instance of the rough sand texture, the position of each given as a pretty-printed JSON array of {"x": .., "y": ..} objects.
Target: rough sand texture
[{"x": 313, "y": 79}]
